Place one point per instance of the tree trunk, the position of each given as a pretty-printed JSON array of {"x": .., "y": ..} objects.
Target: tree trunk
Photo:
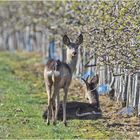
[{"x": 124, "y": 94}]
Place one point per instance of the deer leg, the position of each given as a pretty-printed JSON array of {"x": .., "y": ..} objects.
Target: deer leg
[
  {"x": 64, "y": 105},
  {"x": 48, "y": 114},
  {"x": 57, "y": 104},
  {"x": 53, "y": 110},
  {"x": 48, "y": 89}
]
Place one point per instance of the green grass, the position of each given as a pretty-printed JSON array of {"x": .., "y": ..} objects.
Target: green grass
[{"x": 23, "y": 99}]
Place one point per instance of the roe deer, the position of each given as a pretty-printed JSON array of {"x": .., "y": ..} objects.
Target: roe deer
[
  {"x": 91, "y": 95},
  {"x": 58, "y": 75}
]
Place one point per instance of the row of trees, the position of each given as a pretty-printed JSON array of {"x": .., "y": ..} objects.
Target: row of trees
[{"x": 111, "y": 32}]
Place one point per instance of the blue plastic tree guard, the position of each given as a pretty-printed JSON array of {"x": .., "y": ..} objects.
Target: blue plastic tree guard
[
  {"x": 52, "y": 49},
  {"x": 103, "y": 89},
  {"x": 126, "y": 111},
  {"x": 87, "y": 73}
]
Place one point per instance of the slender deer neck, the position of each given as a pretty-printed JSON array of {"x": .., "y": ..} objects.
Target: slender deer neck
[{"x": 72, "y": 61}]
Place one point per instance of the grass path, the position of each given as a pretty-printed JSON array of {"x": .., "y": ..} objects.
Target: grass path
[{"x": 23, "y": 99}]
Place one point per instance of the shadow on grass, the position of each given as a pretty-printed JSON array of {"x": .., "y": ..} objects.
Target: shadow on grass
[{"x": 81, "y": 107}]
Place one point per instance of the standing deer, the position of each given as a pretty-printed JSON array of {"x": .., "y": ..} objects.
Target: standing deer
[{"x": 58, "y": 75}]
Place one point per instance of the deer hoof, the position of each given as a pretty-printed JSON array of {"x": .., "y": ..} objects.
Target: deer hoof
[
  {"x": 65, "y": 123},
  {"x": 48, "y": 122},
  {"x": 44, "y": 116},
  {"x": 54, "y": 123}
]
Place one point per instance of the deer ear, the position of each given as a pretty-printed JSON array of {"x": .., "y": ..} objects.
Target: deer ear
[
  {"x": 79, "y": 40},
  {"x": 66, "y": 40},
  {"x": 95, "y": 79},
  {"x": 85, "y": 80},
  {"x": 86, "y": 83}
]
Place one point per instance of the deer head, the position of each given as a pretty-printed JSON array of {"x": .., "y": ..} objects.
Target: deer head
[
  {"x": 91, "y": 90},
  {"x": 72, "y": 48}
]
